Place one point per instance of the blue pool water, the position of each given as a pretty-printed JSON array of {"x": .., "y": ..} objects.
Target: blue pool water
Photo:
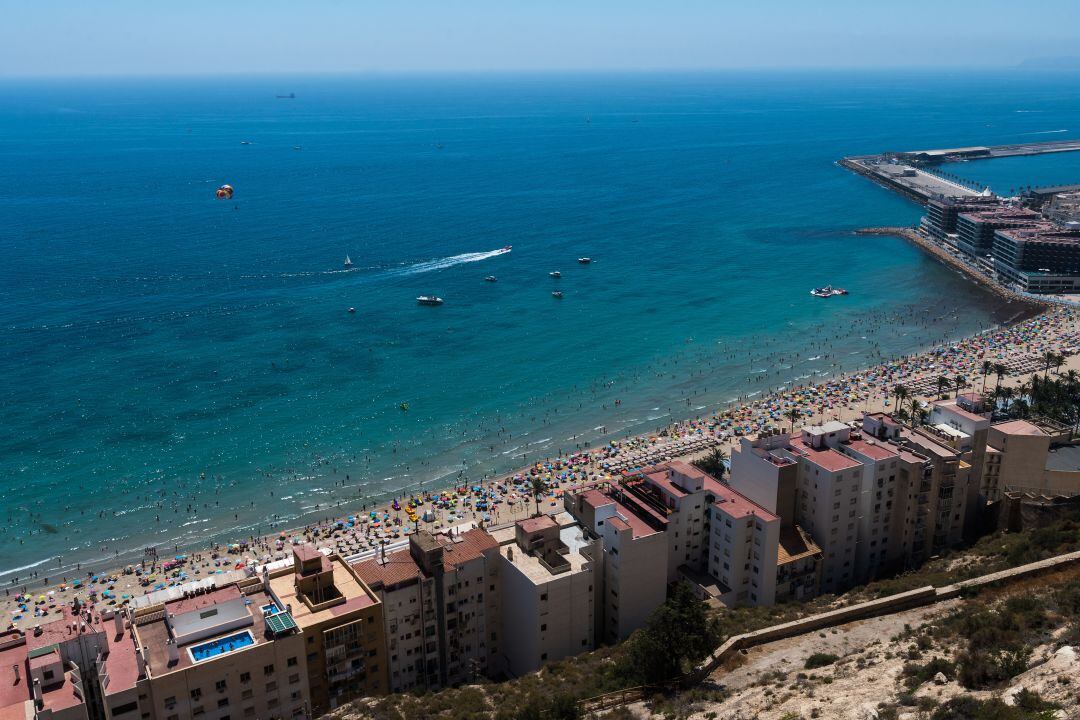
[
  {"x": 174, "y": 368},
  {"x": 207, "y": 650}
]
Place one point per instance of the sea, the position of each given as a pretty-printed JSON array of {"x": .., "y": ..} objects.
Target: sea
[{"x": 178, "y": 369}]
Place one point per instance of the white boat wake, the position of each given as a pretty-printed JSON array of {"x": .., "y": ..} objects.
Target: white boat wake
[{"x": 442, "y": 263}]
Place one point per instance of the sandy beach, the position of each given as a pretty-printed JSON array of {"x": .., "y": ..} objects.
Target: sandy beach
[{"x": 1021, "y": 347}]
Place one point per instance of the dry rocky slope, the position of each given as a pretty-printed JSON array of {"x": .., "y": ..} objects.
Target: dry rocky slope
[{"x": 875, "y": 671}]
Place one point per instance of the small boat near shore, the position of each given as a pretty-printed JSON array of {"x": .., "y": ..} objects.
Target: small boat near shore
[
  {"x": 828, "y": 291},
  {"x": 429, "y": 300},
  {"x": 557, "y": 294},
  {"x": 584, "y": 260},
  {"x": 491, "y": 278},
  {"x": 555, "y": 274}
]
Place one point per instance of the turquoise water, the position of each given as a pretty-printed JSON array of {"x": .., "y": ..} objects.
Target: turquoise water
[
  {"x": 221, "y": 646},
  {"x": 177, "y": 368}
]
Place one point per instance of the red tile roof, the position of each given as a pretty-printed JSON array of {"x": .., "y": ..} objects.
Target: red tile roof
[
  {"x": 737, "y": 505},
  {"x": 398, "y": 569},
  {"x": 828, "y": 459},
  {"x": 875, "y": 451},
  {"x": 12, "y": 693},
  {"x": 535, "y": 524},
  {"x": 474, "y": 543}
]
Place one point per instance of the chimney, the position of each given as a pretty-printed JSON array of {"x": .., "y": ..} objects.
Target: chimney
[
  {"x": 38, "y": 702},
  {"x": 15, "y": 669},
  {"x": 118, "y": 621},
  {"x": 174, "y": 652}
]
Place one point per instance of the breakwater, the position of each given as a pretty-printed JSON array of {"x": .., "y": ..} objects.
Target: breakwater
[{"x": 956, "y": 263}]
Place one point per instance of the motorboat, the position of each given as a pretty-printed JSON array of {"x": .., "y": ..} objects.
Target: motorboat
[
  {"x": 352, "y": 310},
  {"x": 555, "y": 274},
  {"x": 584, "y": 260},
  {"x": 348, "y": 262},
  {"x": 491, "y": 278},
  {"x": 828, "y": 291},
  {"x": 557, "y": 294},
  {"x": 429, "y": 300}
]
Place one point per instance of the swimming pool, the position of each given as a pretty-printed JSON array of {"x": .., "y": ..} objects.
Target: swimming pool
[{"x": 207, "y": 650}]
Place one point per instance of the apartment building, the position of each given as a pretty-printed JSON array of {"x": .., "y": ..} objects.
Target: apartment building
[
  {"x": 936, "y": 485},
  {"x": 551, "y": 584},
  {"x": 744, "y": 545},
  {"x": 1015, "y": 459},
  {"x": 342, "y": 624},
  {"x": 409, "y": 605},
  {"x": 765, "y": 469},
  {"x": 228, "y": 652},
  {"x": 634, "y": 548}
]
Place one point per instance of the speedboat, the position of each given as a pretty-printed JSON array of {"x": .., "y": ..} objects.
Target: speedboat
[
  {"x": 348, "y": 262},
  {"x": 491, "y": 278},
  {"x": 827, "y": 291},
  {"x": 508, "y": 248},
  {"x": 555, "y": 274},
  {"x": 352, "y": 310},
  {"x": 584, "y": 260},
  {"x": 557, "y": 294},
  {"x": 429, "y": 300}
]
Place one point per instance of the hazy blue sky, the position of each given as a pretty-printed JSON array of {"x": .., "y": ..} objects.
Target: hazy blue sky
[{"x": 193, "y": 36}]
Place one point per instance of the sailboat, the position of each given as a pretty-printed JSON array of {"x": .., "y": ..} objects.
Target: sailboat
[{"x": 348, "y": 263}]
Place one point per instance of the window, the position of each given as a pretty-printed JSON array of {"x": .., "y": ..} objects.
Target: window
[
  {"x": 291, "y": 662},
  {"x": 543, "y": 596},
  {"x": 220, "y": 685},
  {"x": 294, "y": 678},
  {"x": 196, "y": 693},
  {"x": 245, "y": 677},
  {"x": 170, "y": 701},
  {"x": 268, "y": 670},
  {"x": 543, "y": 627}
]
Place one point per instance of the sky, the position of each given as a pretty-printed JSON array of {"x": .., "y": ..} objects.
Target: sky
[{"x": 162, "y": 37}]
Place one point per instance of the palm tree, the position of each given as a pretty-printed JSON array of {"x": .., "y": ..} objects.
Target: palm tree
[
  {"x": 793, "y": 414},
  {"x": 942, "y": 383},
  {"x": 713, "y": 464},
  {"x": 1007, "y": 394},
  {"x": 985, "y": 369},
  {"x": 1048, "y": 358},
  {"x": 1001, "y": 371},
  {"x": 901, "y": 394},
  {"x": 539, "y": 489},
  {"x": 961, "y": 383},
  {"x": 1059, "y": 360}
]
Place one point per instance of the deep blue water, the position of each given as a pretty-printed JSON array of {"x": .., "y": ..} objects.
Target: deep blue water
[{"x": 174, "y": 367}]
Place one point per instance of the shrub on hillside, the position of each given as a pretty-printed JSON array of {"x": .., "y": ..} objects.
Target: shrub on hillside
[{"x": 818, "y": 660}]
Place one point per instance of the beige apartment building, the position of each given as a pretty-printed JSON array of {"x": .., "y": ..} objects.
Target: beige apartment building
[
  {"x": 341, "y": 621},
  {"x": 291, "y": 642},
  {"x": 634, "y": 575},
  {"x": 1015, "y": 459},
  {"x": 550, "y": 587}
]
